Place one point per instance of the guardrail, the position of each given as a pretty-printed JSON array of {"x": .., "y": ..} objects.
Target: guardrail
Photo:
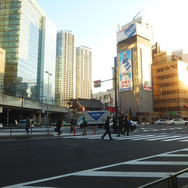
[
  {"x": 172, "y": 180},
  {"x": 12, "y": 130}
]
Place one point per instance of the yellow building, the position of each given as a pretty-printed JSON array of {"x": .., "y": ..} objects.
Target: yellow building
[
  {"x": 170, "y": 85},
  {"x": 2, "y": 67}
]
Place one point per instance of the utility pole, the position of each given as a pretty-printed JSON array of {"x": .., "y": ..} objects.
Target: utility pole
[{"x": 115, "y": 69}]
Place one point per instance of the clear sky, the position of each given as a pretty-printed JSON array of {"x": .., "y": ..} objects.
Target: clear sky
[{"x": 95, "y": 23}]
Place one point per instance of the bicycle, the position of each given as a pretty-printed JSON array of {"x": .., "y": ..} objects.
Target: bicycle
[{"x": 135, "y": 129}]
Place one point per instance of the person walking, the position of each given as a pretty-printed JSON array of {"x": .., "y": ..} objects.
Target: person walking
[
  {"x": 120, "y": 126},
  {"x": 84, "y": 123},
  {"x": 127, "y": 126},
  {"x": 27, "y": 125},
  {"x": 72, "y": 125},
  {"x": 115, "y": 125},
  {"x": 58, "y": 126},
  {"x": 107, "y": 127}
]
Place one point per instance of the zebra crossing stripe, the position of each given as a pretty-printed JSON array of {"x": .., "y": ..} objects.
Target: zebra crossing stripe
[
  {"x": 175, "y": 139},
  {"x": 162, "y": 137}
]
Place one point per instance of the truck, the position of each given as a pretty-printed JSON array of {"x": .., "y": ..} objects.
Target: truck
[{"x": 97, "y": 118}]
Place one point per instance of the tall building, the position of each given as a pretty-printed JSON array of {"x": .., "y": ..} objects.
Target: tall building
[
  {"x": 2, "y": 68},
  {"x": 83, "y": 72},
  {"x": 134, "y": 67},
  {"x": 170, "y": 85},
  {"x": 65, "y": 83},
  {"x": 24, "y": 32}
]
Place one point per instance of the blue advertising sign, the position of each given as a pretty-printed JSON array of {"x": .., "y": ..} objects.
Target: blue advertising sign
[
  {"x": 130, "y": 31},
  {"x": 96, "y": 115}
]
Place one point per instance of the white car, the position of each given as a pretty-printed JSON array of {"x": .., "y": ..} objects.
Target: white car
[
  {"x": 177, "y": 121},
  {"x": 161, "y": 122}
]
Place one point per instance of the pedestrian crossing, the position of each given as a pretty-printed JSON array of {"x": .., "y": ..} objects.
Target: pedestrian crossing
[{"x": 145, "y": 137}]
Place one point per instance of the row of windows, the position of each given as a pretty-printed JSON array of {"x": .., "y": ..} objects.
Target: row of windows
[
  {"x": 173, "y": 100},
  {"x": 166, "y": 76},
  {"x": 169, "y": 67}
]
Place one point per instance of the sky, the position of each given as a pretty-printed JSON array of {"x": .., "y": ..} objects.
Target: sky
[{"x": 95, "y": 23}]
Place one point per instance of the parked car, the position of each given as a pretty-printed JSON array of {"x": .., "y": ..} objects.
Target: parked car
[
  {"x": 22, "y": 123},
  {"x": 65, "y": 123},
  {"x": 177, "y": 121},
  {"x": 161, "y": 122},
  {"x": 134, "y": 123}
]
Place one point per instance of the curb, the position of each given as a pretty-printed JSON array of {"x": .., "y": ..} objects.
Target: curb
[{"x": 25, "y": 136}]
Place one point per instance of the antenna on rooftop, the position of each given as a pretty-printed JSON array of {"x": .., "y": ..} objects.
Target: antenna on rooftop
[{"x": 136, "y": 15}]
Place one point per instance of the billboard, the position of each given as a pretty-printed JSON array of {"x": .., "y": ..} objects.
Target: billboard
[
  {"x": 132, "y": 29},
  {"x": 146, "y": 67},
  {"x": 125, "y": 71},
  {"x": 126, "y": 32}
]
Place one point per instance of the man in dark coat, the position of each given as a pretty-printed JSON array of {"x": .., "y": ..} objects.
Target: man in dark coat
[
  {"x": 58, "y": 126},
  {"x": 107, "y": 127}
]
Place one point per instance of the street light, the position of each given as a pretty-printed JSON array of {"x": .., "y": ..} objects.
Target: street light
[{"x": 48, "y": 97}]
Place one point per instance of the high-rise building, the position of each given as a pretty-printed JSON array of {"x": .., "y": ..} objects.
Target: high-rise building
[
  {"x": 2, "y": 68},
  {"x": 24, "y": 34},
  {"x": 83, "y": 72},
  {"x": 134, "y": 67},
  {"x": 65, "y": 68}
]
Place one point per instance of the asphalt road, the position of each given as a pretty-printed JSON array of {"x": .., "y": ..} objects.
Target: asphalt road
[{"x": 92, "y": 162}]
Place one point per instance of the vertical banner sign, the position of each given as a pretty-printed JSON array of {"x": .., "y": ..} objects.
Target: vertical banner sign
[{"x": 125, "y": 71}]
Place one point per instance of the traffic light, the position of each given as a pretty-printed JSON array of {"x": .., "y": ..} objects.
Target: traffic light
[
  {"x": 186, "y": 106},
  {"x": 97, "y": 83}
]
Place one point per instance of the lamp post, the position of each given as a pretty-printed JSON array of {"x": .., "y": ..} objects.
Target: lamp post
[{"x": 47, "y": 99}]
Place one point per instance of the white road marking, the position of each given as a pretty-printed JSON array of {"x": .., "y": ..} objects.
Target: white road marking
[{"x": 140, "y": 161}]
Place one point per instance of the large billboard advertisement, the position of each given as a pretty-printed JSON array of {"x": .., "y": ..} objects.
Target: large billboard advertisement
[
  {"x": 146, "y": 67},
  {"x": 126, "y": 32},
  {"x": 125, "y": 71}
]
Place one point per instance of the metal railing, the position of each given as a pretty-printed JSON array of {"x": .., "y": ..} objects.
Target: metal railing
[{"x": 172, "y": 180}]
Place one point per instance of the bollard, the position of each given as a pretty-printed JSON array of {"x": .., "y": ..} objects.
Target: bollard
[
  {"x": 94, "y": 129},
  {"x": 74, "y": 131},
  {"x": 172, "y": 182}
]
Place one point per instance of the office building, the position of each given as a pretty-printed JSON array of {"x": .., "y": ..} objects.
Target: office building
[
  {"x": 83, "y": 72},
  {"x": 65, "y": 84},
  {"x": 134, "y": 61},
  {"x": 2, "y": 68},
  {"x": 170, "y": 85},
  {"x": 24, "y": 34}
]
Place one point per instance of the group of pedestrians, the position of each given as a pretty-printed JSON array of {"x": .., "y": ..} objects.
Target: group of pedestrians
[{"x": 123, "y": 127}]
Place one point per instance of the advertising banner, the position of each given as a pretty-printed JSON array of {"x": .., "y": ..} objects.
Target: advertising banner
[
  {"x": 146, "y": 67},
  {"x": 126, "y": 33},
  {"x": 125, "y": 71}
]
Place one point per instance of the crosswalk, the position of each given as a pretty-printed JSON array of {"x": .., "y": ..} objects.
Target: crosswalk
[{"x": 145, "y": 137}]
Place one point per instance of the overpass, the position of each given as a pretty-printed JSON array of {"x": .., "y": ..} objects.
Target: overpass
[{"x": 16, "y": 108}]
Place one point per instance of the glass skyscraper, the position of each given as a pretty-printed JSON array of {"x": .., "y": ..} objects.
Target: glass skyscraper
[{"x": 24, "y": 37}]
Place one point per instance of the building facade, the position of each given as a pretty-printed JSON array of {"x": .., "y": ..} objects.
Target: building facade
[
  {"x": 23, "y": 35},
  {"x": 107, "y": 98},
  {"x": 83, "y": 72},
  {"x": 65, "y": 84},
  {"x": 134, "y": 61},
  {"x": 2, "y": 68},
  {"x": 170, "y": 85}
]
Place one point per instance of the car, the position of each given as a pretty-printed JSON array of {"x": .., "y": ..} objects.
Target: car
[
  {"x": 161, "y": 122},
  {"x": 177, "y": 121},
  {"x": 65, "y": 123},
  {"x": 22, "y": 123}
]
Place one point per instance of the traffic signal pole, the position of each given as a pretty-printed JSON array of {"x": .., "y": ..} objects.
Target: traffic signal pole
[{"x": 97, "y": 83}]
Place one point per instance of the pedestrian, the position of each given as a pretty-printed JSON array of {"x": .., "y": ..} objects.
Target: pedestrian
[
  {"x": 107, "y": 127},
  {"x": 58, "y": 126},
  {"x": 72, "y": 125},
  {"x": 126, "y": 126},
  {"x": 115, "y": 125},
  {"x": 84, "y": 123},
  {"x": 120, "y": 126},
  {"x": 27, "y": 125}
]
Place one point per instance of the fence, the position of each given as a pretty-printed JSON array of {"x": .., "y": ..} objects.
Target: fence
[{"x": 172, "y": 180}]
